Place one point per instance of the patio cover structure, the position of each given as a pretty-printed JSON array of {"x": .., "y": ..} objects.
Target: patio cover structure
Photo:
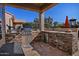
[{"x": 37, "y": 7}]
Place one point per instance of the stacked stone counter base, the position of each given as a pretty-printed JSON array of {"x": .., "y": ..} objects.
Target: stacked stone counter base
[{"x": 64, "y": 41}]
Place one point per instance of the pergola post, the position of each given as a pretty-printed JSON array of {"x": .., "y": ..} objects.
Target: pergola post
[
  {"x": 41, "y": 18},
  {"x": 3, "y": 23}
]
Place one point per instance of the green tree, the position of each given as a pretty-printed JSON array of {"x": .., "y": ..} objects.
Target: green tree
[
  {"x": 55, "y": 23},
  {"x": 48, "y": 22}
]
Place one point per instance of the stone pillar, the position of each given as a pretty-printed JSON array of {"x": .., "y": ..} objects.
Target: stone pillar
[
  {"x": 41, "y": 18},
  {"x": 3, "y": 23}
]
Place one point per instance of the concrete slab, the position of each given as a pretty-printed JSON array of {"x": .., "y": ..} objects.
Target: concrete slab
[{"x": 28, "y": 51}]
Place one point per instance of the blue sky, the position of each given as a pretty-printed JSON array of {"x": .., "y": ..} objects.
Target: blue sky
[{"x": 58, "y": 13}]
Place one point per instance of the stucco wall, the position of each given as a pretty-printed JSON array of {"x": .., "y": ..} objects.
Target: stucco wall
[{"x": 8, "y": 20}]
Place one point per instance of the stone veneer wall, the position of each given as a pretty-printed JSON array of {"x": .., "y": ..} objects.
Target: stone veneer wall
[
  {"x": 35, "y": 34},
  {"x": 75, "y": 42},
  {"x": 23, "y": 39},
  {"x": 61, "y": 40}
]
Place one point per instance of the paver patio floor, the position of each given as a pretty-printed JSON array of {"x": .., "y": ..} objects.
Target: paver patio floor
[{"x": 46, "y": 50}]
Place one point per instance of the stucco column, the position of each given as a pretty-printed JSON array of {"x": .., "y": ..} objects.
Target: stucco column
[
  {"x": 41, "y": 18},
  {"x": 3, "y": 23}
]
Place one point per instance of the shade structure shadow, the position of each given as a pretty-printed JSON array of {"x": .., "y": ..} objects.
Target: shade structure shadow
[{"x": 8, "y": 50}]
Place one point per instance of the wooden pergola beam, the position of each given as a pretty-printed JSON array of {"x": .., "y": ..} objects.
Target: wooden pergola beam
[
  {"x": 26, "y": 6},
  {"x": 47, "y": 6},
  {"x": 38, "y": 7}
]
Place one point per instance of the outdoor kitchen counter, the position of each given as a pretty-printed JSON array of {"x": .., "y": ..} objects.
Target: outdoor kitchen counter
[
  {"x": 66, "y": 41},
  {"x": 61, "y": 40}
]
